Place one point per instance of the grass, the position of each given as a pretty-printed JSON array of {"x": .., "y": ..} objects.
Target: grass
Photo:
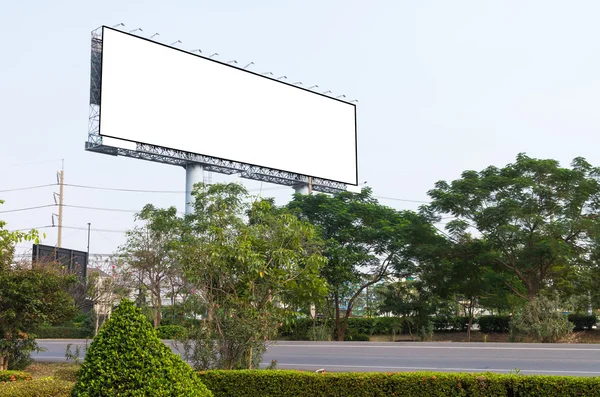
[{"x": 43, "y": 370}]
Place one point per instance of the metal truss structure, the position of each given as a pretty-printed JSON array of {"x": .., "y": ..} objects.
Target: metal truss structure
[{"x": 180, "y": 158}]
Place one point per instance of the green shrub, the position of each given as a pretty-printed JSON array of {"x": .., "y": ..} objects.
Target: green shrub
[
  {"x": 540, "y": 321},
  {"x": 357, "y": 338},
  {"x": 170, "y": 331},
  {"x": 37, "y": 388},
  {"x": 497, "y": 324},
  {"x": 420, "y": 384},
  {"x": 46, "y": 332},
  {"x": 126, "y": 358},
  {"x": 582, "y": 321},
  {"x": 452, "y": 323},
  {"x": 14, "y": 376}
]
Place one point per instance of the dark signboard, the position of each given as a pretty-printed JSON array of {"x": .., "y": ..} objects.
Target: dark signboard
[{"x": 71, "y": 261}]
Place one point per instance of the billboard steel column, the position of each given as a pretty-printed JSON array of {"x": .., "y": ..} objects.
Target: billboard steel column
[{"x": 194, "y": 173}]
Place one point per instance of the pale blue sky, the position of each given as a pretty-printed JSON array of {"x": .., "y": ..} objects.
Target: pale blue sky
[{"x": 443, "y": 86}]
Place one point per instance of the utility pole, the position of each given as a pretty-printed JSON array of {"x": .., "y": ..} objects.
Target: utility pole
[{"x": 61, "y": 181}]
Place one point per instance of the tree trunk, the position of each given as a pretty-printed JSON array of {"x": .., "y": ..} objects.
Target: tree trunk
[
  {"x": 157, "y": 310},
  {"x": 97, "y": 323},
  {"x": 3, "y": 363},
  {"x": 338, "y": 323}
]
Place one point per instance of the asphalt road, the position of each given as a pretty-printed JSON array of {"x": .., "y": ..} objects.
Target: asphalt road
[{"x": 549, "y": 359}]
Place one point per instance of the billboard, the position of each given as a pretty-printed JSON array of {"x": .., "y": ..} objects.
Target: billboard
[
  {"x": 154, "y": 94},
  {"x": 71, "y": 261}
]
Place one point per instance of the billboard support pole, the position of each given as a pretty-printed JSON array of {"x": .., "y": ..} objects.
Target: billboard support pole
[
  {"x": 303, "y": 188},
  {"x": 194, "y": 173}
]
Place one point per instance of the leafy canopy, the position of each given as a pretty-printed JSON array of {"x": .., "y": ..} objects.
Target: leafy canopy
[{"x": 535, "y": 215}]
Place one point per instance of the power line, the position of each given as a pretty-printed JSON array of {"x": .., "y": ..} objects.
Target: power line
[
  {"x": 28, "y": 208},
  {"x": 400, "y": 199},
  {"x": 30, "y": 163},
  {"x": 27, "y": 188},
  {"x": 114, "y": 189},
  {"x": 70, "y": 227},
  {"x": 125, "y": 190}
]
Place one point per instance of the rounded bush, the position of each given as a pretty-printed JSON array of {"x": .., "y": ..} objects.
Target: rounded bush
[{"x": 126, "y": 359}]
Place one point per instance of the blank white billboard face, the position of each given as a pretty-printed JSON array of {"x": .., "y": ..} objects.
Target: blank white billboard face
[{"x": 162, "y": 96}]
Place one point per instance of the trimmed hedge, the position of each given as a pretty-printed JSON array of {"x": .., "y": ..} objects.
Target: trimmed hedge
[
  {"x": 418, "y": 384},
  {"x": 127, "y": 359},
  {"x": 61, "y": 333},
  {"x": 498, "y": 324},
  {"x": 14, "y": 376},
  {"x": 300, "y": 328},
  {"x": 47, "y": 387},
  {"x": 262, "y": 383},
  {"x": 170, "y": 331},
  {"x": 582, "y": 321}
]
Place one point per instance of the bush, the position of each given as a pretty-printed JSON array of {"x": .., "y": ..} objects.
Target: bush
[
  {"x": 424, "y": 384},
  {"x": 14, "y": 376},
  {"x": 170, "y": 331},
  {"x": 497, "y": 324},
  {"x": 357, "y": 338},
  {"x": 126, "y": 358},
  {"x": 37, "y": 388},
  {"x": 582, "y": 321},
  {"x": 452, "y": 323},
  {"x": 46, "y": 332},
  {"x": 540, "y": 320}
]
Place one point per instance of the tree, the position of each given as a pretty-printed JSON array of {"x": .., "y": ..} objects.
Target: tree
[
  {"x": 365, "y": 242},
  {"x": 9, "y": 239},
  {"x": 28, "y": 298},
  {"x": 461, "y": 271},
  {"x": 149, "y": 253},
  {"x": 535, "y": 216},
  {"x": 250, "y": 264}
]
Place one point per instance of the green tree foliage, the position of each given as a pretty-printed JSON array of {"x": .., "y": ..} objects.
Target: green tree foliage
[
  {"x": 126, "y": 358},
  {"x": 414, "y": 302},
  {"x": 536, "y": 216},
  {"x": 28, "y": 298},
  {"x": 460, "y": 271},
  {"x": 365, "y": 243},
  {"x": 249, "y": 265},
  {"x": 541, "y": 320},
  {"x": 149, "y": 254},
  {"x": 9, "y": 239}
]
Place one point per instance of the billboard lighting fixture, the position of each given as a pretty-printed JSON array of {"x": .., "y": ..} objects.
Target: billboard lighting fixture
[
  {"x": 267, "y": 73},
  {"x": 326, "y": 92},
  {"x": 232, "y": 61},
  {"x": 313, "y": 86},
  {"x": 341, "y": 96},
  {"x": 297, "y": 83},
  {"x": 155, "y": 34},
  {"x": 135, "y": 30},
  {"x": 354, "y": 100},
  {"x": 119, "y": 24},
  {"x": 251, "y": 63},
  {"x": 198, "y": 49},
  {"x": 175, "y": 42},
  {"x": 216, "y": 53},
  {"x": 282, "y": 77}
]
